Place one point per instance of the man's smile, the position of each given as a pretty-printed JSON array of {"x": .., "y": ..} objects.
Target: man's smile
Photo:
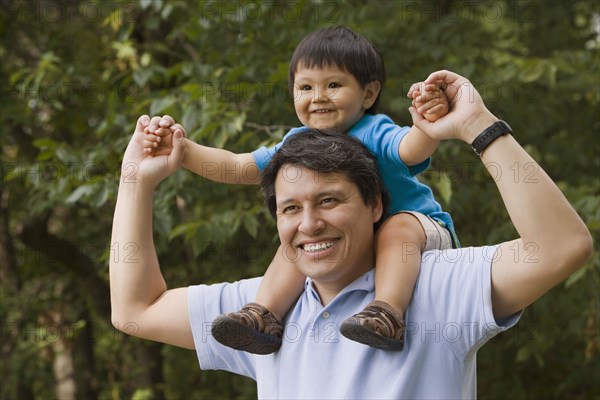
[{"x": 317, "y": 246}]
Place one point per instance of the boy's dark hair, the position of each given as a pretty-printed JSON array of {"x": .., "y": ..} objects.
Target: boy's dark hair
[
  {"x": 327, "y": 152},
  {"x": 340, "y": 47}
]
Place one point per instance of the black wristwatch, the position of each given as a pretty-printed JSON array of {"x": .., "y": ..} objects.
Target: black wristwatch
[{"x": 483, "y": 140}]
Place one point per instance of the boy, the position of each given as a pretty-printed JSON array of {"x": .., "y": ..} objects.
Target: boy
[{"x": 336, "y": 77}]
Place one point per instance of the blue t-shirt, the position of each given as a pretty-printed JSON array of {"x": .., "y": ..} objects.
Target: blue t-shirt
[
  {"x": 448, "y": 319},
  {"x": 382, "y": 137}
]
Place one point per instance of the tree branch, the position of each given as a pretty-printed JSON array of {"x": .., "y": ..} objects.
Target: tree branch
[{"x": 36, "y": 236}]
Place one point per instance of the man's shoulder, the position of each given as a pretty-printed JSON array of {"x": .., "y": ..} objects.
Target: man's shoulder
[
  {"x": 452, "y": 302},
  {"x": 453, "y": 278}
]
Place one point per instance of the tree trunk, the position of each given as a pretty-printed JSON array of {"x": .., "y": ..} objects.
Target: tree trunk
[
  {"x": 150, "y": 359},
  {"x": 60, "y": 355},
  {"x": 85, "y": 359}
]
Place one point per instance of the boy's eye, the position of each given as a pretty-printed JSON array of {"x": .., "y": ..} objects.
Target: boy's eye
[
  {"x": 334, "y": 85},
  {"x": 305, "y": 87}
]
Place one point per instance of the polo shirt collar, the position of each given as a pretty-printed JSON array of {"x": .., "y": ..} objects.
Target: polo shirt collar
[{"x": 365, "y": 282}]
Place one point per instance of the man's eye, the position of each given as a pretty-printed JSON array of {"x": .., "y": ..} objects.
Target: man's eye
[
  {"x": 289, "y": 209},
  {"x": 328, "y": 200}
]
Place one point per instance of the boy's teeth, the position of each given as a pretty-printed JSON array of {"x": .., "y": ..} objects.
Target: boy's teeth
[{"x": 317, "y": 246}]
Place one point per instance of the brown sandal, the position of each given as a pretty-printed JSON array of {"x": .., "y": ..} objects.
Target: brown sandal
[
  {"x": 379, "y": 325},
  {"x": 253, "y": 329}
]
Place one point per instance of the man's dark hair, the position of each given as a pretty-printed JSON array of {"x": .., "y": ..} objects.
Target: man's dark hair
[
  {"x": 327, "y": 152},
  {"x": 342, "y": 48}
]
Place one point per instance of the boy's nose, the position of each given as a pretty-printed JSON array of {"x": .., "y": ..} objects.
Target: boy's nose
[{"x": 319, "y": 95}]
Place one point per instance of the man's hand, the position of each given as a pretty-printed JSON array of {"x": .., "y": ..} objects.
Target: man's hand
[
  {"x": 141, "y": 167},
  {"x": 468, "y": 115}
]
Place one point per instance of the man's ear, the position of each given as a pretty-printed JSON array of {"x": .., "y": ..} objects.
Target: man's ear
[
  {"x": 377, "y": 209},
  {"x": 371, "y": 92}
]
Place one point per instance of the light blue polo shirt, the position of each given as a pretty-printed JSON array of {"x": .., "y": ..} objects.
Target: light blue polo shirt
[{"x": 449, "y": 318}]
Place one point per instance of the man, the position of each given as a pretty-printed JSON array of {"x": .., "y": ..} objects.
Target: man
[{"x": 463, "y": 297}]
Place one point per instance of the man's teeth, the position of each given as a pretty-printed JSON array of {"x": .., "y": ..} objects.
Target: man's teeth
[{"x": 317, "y": 246}]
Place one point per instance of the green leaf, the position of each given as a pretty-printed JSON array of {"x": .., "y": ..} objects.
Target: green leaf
[
  {"x": 101, "y": 197},
  {"x": 251, "y": 225},
  {"x": 575, "y": 277},
  {"x": 238, "y": 122},
  {"x": 160, "y": 105},
  {"x": 64, "y": 154},
  {"x": 46, "y": 155},
  {"x": 523, "y": 354},
  {"x": 79, "y": 193},
  {"x": 444, "y": 187},
  {"x": 162, "y": 222},
  {"x": 45, "y": 143},
  {"x": 145, "y": 4},
  {"x": 143, "y": 394},
  {"x": 190, "y": 118},
  {"x": 188, "y": 229},
  {"x": 142, "y": 75},
  {"x": 532, "y": 71}
]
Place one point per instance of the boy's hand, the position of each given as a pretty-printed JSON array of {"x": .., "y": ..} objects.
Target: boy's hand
[
  {"x": 429, "y": 100},
  {"x": 468, "y": 115},
  {"x": 139, "y": 167},
  {"x": 159, "y": 137}
]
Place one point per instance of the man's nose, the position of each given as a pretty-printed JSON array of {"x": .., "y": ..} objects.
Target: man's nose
[{"x": 311, "y": 223}]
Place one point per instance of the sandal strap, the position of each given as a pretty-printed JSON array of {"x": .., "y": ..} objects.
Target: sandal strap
[
  {"x": 385, "y": 319},
  {"x": 261, "y": 319}
]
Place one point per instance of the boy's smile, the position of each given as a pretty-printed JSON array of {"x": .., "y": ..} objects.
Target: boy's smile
[{"x": 331, "y": 98}]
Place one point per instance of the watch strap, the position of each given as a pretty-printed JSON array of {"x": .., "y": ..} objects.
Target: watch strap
[{"x": 493, "y": 132}]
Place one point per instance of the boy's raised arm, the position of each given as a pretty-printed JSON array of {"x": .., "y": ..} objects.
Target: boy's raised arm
[
  {"x": 416, "y": 147},
  {"x": 221, "y": 165},
  {"x": 218, "y": 165},
  {"x": 431, "y": 102}
]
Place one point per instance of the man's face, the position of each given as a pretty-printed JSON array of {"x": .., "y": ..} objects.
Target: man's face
[{"x": 324, "y": 225}]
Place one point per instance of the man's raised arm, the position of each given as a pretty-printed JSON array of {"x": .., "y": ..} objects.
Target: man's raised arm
[
  {"x": 141, "y": 304},
  {"x": 554, "y": 241}
]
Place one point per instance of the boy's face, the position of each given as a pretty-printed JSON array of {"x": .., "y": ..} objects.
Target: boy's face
[{"x": 331, "y": 98}]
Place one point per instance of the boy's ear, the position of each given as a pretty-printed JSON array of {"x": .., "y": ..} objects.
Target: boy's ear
[{"x": 371, "y": 92}]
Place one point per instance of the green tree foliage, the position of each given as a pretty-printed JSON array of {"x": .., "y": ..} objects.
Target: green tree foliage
[{"x": 76, "y": 75}]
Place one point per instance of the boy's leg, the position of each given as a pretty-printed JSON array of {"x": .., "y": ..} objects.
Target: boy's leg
[
  {"x": 281, "y": 285},
  {"x": 257, "y": 328},
  {"x": 400, "y": 242}
]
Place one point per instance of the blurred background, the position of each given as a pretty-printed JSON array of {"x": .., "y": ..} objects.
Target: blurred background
[{"x": 75, "y": 76}]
